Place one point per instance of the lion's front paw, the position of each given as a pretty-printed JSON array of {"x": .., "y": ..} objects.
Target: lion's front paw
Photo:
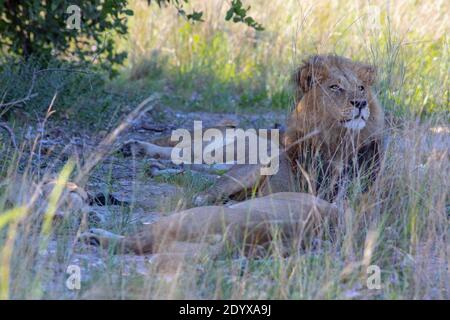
[
  {"x": 131, "y": 147},
  {"x": 89, "y": 238},
  {"x": 99, "y": 237}
]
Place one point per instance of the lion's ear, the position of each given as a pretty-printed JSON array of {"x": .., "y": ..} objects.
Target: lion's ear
[
  {"x": 367, "y": 74},
  {"x": 313, "y": 71}
]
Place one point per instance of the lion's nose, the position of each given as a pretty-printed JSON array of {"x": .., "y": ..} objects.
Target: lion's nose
[{"x": 359, "y": 103}]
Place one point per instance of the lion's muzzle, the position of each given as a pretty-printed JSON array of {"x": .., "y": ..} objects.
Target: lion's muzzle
[{"x": 359, "y": 115}]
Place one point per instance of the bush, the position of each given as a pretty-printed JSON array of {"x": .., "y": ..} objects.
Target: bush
[
  {"x": 85, "y": 96},
  {"x": 40, "y": 28}
]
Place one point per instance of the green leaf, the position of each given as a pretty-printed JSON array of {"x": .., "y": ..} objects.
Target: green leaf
[
  {"x": 195, "y": 16},
  {"x": 128, "y": 12},
  {"x": 229, "y": 14}
]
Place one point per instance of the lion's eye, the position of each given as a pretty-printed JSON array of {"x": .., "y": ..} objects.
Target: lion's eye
[
  {"x": 335, "y": 87},
  {"x": 361, "y": 88}
]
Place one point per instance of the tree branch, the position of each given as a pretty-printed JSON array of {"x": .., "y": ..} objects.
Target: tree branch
[
  {"x": 10, "y": 133},
  {"x": 30, "y": 95}
]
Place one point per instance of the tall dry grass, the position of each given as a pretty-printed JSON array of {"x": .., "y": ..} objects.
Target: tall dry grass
[
  {"x": 400, "y": 225},
  {"x": 218, "y": 60}
]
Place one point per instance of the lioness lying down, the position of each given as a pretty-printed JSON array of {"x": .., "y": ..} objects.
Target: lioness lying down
[{"x": 249, "y": 227}]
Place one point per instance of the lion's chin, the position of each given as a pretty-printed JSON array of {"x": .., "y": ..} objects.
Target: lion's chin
[{"x": 355, "y": 124}]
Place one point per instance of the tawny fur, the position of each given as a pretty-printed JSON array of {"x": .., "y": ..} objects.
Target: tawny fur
[
  {"x": 249, "y": 227},
  {"x": 318, "y": 150},
  {"x": 318, "y": 128},
  {"x": 320, "y": 110}
]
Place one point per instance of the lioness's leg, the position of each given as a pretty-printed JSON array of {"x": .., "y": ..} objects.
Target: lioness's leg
[
  {"x": 140, "y": 243},
  {"x": 146, "y": 148},
  {"x": 240, "y": 178},
  {"x": 104, "y": 239},
  {"x": 178, "y": 255}
]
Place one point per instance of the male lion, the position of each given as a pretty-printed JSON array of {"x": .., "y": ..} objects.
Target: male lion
[{"x": 335, "y": 132}]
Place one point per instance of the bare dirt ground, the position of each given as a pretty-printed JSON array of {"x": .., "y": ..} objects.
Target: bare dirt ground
[
  {"x": 145, "y": 196},
  {"x": 127, "y": 179}
]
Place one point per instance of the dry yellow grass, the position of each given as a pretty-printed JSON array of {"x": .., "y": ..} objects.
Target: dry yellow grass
[{"x": 401, "y": 225}]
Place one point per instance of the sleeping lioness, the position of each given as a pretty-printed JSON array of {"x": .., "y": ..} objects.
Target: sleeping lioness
[{"x": 248, "y": 227}]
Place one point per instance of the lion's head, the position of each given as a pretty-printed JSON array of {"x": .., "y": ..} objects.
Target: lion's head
[
  {"x": 337, "y": 118},
  {"x": 337, "y": 94}
]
